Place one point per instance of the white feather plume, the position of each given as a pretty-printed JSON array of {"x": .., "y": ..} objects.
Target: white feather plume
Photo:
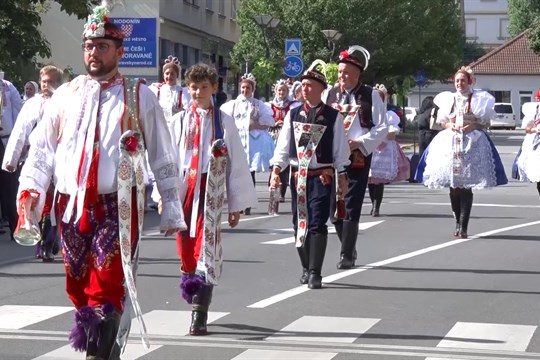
[
  {"x": 364, "y": 52},
  {"x": 314, "y": 64},
  {"x": 112, "y": 3}
]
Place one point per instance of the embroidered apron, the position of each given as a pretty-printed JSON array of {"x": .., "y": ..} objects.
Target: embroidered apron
[
  {"x": 131, "y": 175},
  {"x": 210, "y": 259},
  {"x": 306, "y": 138}
]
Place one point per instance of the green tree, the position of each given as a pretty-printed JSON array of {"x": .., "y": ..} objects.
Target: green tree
[
  {"x": 521, "y": 15},
  {"x": 21, "y": 42},
  {"x": 402, "y": 38},
  {"x": 472, "y": 51}
]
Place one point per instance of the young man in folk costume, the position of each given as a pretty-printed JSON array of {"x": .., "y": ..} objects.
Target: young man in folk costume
[
  {"x": 17, "y": 149},
  {"x": 171, "y": 95},
  {"x": 91, "y": 139},
  {"x": 212, "y": 162},
  {"x": 366, "y": 126},
  {"x": 312, "y": 141}
]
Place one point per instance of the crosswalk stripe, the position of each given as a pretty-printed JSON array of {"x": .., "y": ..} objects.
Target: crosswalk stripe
[
  {"x": 158, "y": 323},
  {"x": 254, "y": 354},
  {"x": 20, "y": 316},
  {"x": 483, "y": 336},
  {"x": 325, "y": 329}
]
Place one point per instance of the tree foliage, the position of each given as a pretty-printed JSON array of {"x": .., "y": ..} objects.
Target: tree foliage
[
  {"x": 521, "y": 15},
  {"x": 21, "y": 42},
  {"x": 402, "y": 38}
]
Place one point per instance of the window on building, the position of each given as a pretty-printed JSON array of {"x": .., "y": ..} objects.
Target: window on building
[
  {"x": 470, "y": 29},
  {"x": 221, "y": 7},
  {"x": 502, "y": 96},
  {"x": 503, "y": 29},
  {"x": 208, "y": 4},
  {"x": 233, "y": 9},
  {"x": 193, "y": 2}
]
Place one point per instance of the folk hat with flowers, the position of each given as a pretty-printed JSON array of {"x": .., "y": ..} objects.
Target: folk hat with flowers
[
  {"x": 99, "y": 25},
  {"x": 351, "y": 56},
  {"x": 313, "y": 72},
  {"x": 249, "y": 78}
]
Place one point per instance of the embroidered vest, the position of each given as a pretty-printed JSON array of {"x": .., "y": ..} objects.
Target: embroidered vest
[{"x": 324, "y": 151}]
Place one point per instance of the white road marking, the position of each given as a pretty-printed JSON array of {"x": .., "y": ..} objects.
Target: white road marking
[
  {"x": 158, "y": 323},
  {"x": 301, "y": 329},
  {"x": 20, "y": 316},
  {"x": 254, "y": 354},
  {"x": 331, "y": 230},
  {"x": 329, "y": 279},
  {"x": 483, "y": 336}
]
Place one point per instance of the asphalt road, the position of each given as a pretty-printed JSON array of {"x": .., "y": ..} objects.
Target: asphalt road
[{"x": 417, "y": 293}]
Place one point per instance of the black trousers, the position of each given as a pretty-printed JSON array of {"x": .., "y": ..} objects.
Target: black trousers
[
  {"x": 9, "y": 184},
  {"x": 354, "y": 199},
  {"x": 318, "y": 205}
]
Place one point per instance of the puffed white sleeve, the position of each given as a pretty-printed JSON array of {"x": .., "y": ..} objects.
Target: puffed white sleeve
[
  {"x": 340, "y": 145},
  {"x": 240, "y": 190},
  {"x": 373, "y": 138},
  {"x": 20, "y": 133},
  {"x": 281, "y": 156},
  {"x": 162, "y": 159},
  {"x": 266, "y": 117}
]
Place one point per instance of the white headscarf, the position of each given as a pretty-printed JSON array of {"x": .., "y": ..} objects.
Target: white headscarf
[{"x": 36, "y": 89}]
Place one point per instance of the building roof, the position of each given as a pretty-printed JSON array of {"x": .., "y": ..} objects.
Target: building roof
[{"x": 515, "y": 57}]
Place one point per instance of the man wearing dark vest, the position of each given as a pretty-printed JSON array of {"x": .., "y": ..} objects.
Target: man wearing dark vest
[
  {"x": 312, "y": 141},
  {"x": 365, "y": 126}
]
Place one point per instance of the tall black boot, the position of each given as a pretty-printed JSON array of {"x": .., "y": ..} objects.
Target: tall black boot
[
  {"x": 348, "y": 245},
  {"x": 538, "y": 187},
  {"x": 455, "y": 202},
  {"x": 339, "y": 229},
  {"x": 102, "y": 343},
  {"x": 466, "y": 207},
  {"x": 199, "y": 315},
  {"x": 317, "y": 250},
  {"x": 371, "y": 189},
  {"x": 378, "y": 196},
  {"x": 303, "y": 253},
  {"x": 47, "y": 241}
]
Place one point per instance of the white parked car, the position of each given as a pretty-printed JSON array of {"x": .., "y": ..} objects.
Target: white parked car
[
  {"x": 410, "y": 113},
  {"x": 505, "y": 118}
]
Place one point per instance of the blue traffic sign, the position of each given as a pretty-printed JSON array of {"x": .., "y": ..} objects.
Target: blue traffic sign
[
  {"x": 420, "y": 78},
  {"x": 293, "y": 47},
  {"x": 293, "y": 66}
]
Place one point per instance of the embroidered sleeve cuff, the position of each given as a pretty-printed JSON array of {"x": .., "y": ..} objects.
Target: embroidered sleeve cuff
[{"x": 172, "y": 216}]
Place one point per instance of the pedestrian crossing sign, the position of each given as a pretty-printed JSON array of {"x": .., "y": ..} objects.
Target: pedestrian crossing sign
[{"x": 293, "y": 47}]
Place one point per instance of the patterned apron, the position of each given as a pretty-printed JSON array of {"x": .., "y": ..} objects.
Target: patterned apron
[
  {"x": 131, "y": 175},
  {"x": 457, "y": 146},
  {"x": 210, "y": 258},
  {"x": 306, "y": 138}
]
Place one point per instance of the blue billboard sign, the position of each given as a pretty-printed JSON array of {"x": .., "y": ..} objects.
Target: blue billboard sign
[{"x": 140, "y": 48}]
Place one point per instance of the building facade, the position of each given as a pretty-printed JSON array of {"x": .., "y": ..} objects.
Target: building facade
[{"x": 191, "y": 30}]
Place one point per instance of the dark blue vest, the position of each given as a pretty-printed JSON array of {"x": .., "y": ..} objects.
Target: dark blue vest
[{"x": 325, "y": 149}]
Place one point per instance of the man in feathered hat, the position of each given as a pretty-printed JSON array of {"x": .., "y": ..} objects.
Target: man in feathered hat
[
  {"x": 312, "y": 141},
  {"x": 365, "y": 125},
  {"x": 92, "y": 140}
]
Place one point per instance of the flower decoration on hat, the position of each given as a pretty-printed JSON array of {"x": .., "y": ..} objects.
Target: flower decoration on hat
[
  {"x": 348, "y": 56},
  {"x": 99, "y": 25},
  {"x": 537, "y": 94},
  {"x": 469, "y": 72},
  {"x": 313, "y": 72},
  {"x": 249, "y": 78}
]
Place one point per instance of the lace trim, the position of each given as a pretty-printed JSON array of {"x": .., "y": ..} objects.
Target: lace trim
[
  {"x": 166, "y": 172},
  {"x": 169, "y": 195}
]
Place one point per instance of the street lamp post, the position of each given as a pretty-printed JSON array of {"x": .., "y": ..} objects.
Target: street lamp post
[
  {"x": 332, "y": 36},
  {"x": 266, "y": 23}
]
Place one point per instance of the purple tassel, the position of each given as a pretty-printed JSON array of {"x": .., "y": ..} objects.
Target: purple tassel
[
  {"x": 86, "y": 321},
  {"x": 107, "y": 309},
  {"x": 190, "y": 285}
]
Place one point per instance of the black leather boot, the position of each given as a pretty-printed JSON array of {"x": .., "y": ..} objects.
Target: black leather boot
[
  {"x": 103, "y": 345},
  {"x": 348, "y": 245},
  {"x": 46, "y": 241},
  {"x": 455, "y": 202},
  {"x": 466, "y": 207},
  {"x": 317, "y": 250},
  {"x": 303, "y": 253},
  {"x": 371, "y": 189},
  {"x": 199, "y": 315},
  {"x": 378, "y": 193}
]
